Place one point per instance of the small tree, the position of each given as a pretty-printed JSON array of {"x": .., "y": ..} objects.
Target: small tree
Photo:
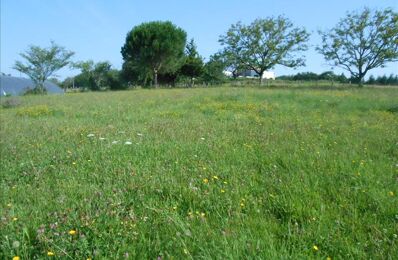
[
  {"x": 42, "y": 63},
  {"x": 265, "y": 43},
  {"x": 362, "y": 41},
  {"x": 193, "y": 65},
  {"x": 157, "y": 47},
  {"x": 98, "y": 76},
  {"x": 213, "y": 70}
]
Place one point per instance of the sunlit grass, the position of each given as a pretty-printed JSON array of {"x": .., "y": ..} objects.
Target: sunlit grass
[{"x": 203, "y": 173}]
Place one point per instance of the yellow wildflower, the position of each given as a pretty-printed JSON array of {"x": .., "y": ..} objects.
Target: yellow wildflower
[
  {"x": 328, "y": 258},
  {"x": 14, "y": 219},
  {"x": 16, "y": 258},
  {"x": 72, "y": 232},
  {"x": 205, "y": 181},
  {"x": 9, "y": 205},
  {"x": 242, "y": 204},
  {"x": 202, "y": 214},
  {"x": 391, "y": 193},
  {"x": 315, "y": 248},
  {"x": 222, "y": 191},
  {"x": 215, "y": 177},
  {"x": 50, "y": 253}
]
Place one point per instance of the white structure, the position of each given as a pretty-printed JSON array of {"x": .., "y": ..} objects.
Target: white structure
[
  {"x": 269, "y": 75},
  {"x": 251, "y": 74}
]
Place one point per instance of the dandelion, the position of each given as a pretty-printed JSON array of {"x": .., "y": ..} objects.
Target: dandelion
[
  {"x": 128, "y": 143},
  {"x": 50, "y": 253},
  {"x": 391, "y": 193},
  {"x": 90, "y": 135},
  {"x": 72, "y": 232},
  {"x": 315, "y": 248},
  {"x": 205, "y": 181},
  {"x": 16, "y": 258}
]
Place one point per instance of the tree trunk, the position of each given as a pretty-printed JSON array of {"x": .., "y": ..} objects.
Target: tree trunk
[
  {"x": 261, "y": 77},
  {"x": 155, "y": 78}
]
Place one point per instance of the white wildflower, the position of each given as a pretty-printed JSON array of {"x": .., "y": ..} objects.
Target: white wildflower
[
  {"x": 102, "y": 138},
  {"x": 128, "y": 143},
  {"x": 90, "y": 135},
  {"x": 115, "y": 142},
  {"x": 139, "y": 134}
]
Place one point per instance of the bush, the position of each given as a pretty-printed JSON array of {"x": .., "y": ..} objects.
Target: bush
[{"x": 10, "y": 102}]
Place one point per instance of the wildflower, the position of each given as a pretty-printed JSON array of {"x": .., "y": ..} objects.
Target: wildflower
[
  {"x": 90, "y": 135},
  {"x": 215, "y": 177},
  {"x": 202, "y": 214},
  {"x": 205, "y": 181},
  {"x": 16, "y": 258},
  {"x": 175, "y": 207},
  {"x": 222, "y": 191},
  {"x": 50, "y": 253},
  {"x": 242, "y": 204},
  {"x": 139, "y": 134},
  {"x": 391, "y": 193},
  {"x": 9, "y": 205},
  {"x": 328, "y": 258},
  {"x": 225, "y": 182},
  {"x": 74, "y": 163},
  {"x": 128, "y": 143},
  {"x": 315, "y": 248},
  {"x": 115, "y": 142},
  {"x": 102, "y": 138},
  {"x": 14, "y": 219},
  {"x": 72, "y": 232},
  {"x": 185, "y": 251},
  {"x": 202, "y": 138}
]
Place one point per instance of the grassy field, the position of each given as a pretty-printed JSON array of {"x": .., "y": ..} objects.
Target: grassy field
[{"x": 221, "y": 173}]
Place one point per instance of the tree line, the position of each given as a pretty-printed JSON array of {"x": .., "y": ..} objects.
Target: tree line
[{"x": 158, "y": 53}]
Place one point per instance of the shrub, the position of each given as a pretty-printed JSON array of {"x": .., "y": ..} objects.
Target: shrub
[{"x": 10, "y": 102}]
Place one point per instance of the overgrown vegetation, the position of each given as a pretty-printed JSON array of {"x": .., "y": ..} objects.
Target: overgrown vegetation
[{"x": 201, "y": 173}]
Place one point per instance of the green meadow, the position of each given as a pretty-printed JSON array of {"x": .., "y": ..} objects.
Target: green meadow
[{"x": 207, "y": 173}]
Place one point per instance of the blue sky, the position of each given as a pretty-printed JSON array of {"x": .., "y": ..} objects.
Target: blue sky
[{"x": 96, "y": 29}]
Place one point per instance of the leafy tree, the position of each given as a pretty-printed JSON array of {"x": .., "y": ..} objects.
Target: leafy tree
[
  {"x": 371, "y": 80},
  {"x": 42, "y": 63},
  {"x": 265, "y": 43},
  {"x": 155, "y": 47},
  {"x": 213, "y": 70},
  {"x": 362, "y": 41},
  {"x": 193, "y": 65},
  {"x": 97, "y": 76}
]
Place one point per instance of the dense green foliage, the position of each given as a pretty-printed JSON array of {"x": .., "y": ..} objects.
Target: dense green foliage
[
  {"x": 96, "y": 76},
  {"x": 193, "y": 63},
  {"x": 216, "y": 173},
  {"x": 264, "y": 44},
  {"x": 154, "y": 48},
  {"x": 41, "y": 63},
  {"x": 362, "y": 41}
]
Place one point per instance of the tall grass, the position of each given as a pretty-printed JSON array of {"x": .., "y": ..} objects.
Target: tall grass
[{"x": 201, "y": 173}]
